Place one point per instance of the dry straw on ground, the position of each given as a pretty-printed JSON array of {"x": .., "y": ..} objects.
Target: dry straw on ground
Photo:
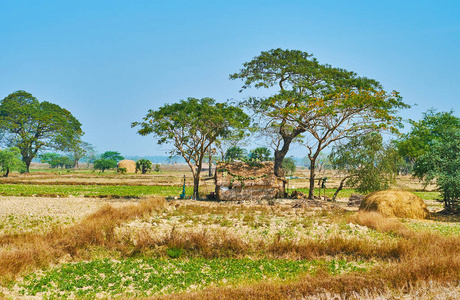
[
  {"x": 399, "y": 204},
  {"x": 130, "y": 165}
]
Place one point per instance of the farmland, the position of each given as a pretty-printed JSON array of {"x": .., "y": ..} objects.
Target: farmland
[{"x": 84, "y": 234}]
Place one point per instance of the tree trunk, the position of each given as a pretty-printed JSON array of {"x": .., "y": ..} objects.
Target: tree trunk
[
  {"x": 311, "y": 191},
  {"x": 27, "y": 161},
  {"x": 210, "y": 162},
  {"x": 7, "y": 172},
  {"x": 196, "y": 185},
  {"x": 342, "y": 182}
]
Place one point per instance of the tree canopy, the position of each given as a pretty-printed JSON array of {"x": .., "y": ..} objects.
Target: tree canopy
[
  {"x": 260, "y": 154},
  {"x": 235, "y": 153},
  {"x": 432, "y": 145},
  {"x": 425, "y": 132},
  {"x": 104, "y": 164},
  {"x": 192, "y": 126},
  {"x": 322, "y": 103},
  {"x": 33, "y": 126},
  {"x": 112, "y": 155}
]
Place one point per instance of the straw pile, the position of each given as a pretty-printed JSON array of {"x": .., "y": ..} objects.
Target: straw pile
[
  {"x": 399, "y": 204},
  {"x": 248, "y": 181},
  {"x": 130, "y": 165}
]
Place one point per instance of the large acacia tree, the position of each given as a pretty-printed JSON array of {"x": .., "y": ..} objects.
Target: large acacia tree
[
  {"x": 192, "y": 126},
  {"x": 33, "y": 126},
  {"x": 318, "y": 102}
]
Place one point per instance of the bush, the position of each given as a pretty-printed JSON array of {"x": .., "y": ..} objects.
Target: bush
[
  {"x": 143, "y": 165},
  {"x": 103, "y": 164}
]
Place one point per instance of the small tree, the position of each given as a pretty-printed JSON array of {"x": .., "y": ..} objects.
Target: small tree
[
  {"x": 49, "y": 158},
  {"x": 103, "y": 164},
  {"x": 260, "y": 154},
  {"x": 56, "y": 160},
  {"x": 192, "y": 126},
  {"x": 370, "y": 164},
  {"x": 289, "y": 166},
  {"x": 10, "y": 160},
  {"x": 79, "y": 150},
  {"x": 143, "y": 165}
]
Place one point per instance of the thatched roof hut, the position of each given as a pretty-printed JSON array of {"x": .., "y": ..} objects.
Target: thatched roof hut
[{"x": 248, "y": 181}]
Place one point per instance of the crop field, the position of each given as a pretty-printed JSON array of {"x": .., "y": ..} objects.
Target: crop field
[{"x": 125, "y": 241}]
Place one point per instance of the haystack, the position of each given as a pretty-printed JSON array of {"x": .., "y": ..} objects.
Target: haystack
[
  {"x": 399, "y": 204},
  {"x": 130, "y": 165},
  {"x": 248, "y": 181}
]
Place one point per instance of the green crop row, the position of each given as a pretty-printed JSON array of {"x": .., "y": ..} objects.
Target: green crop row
[
  {"x": 150, "y": 276},
  {"x": 28, "y": 190}
]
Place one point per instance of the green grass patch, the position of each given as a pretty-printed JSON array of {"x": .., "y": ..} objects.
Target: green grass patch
[
  {"x": 345, "y": 193},
  {"x": 442, "y": 228},
  {"x": 428, "y": 195},
  {"x": 28, "y": 190},
  {"x": 148, "y": 276}
]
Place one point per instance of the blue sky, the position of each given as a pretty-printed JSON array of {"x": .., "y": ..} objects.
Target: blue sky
[{"x": 108, "y": 62}]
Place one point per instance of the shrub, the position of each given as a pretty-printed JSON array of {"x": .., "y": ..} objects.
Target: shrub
[{"x": 143, "y": 165}]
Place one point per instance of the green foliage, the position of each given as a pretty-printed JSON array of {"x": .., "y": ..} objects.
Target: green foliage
[
  {"x": 174, "y": 252},
  {"x": 48, "y": 157},
  {"x": 441, "y": 162},
  {"x": 192, "y": 126},
  {"x": 103, "y": 164},
  {"x": 34, "y": 126},
  {"x": 260, "y": 154},
  {"x": 157, "y": 168},
  {"x": 289, "y": 166},
  {"x": 425, "y": 132},
  {"x": 56, "y": 160},
  {"x": 143, "y": 165},
  {"x": 370, "y": 163},
  {"x": 235, "y": 153},
  {"x": 10, "y": 160},
  {"x": 112, "y": 155},
  {"x": 122, "y": 170}
]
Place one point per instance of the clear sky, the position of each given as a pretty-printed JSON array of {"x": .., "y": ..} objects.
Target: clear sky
[{"x": 108, "y": 62}]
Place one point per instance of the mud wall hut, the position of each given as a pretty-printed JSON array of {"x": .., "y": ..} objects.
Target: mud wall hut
[{"x": 248, "y": 181}]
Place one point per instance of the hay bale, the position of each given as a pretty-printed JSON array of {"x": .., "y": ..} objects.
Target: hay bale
[
  {"x": 399, "y": 204},
  {"x": 130, "y": 165}
]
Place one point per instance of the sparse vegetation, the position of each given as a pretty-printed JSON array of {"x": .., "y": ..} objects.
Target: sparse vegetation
[{"x": 209, "y": 250}]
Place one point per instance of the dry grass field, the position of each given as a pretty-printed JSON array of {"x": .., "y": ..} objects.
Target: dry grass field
[{"x": 98, "y": 235}]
